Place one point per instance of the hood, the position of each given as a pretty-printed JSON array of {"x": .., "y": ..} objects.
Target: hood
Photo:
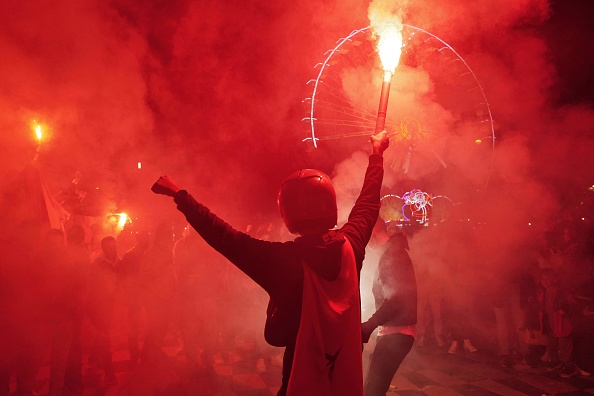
[{"x": 323, "y": 253}]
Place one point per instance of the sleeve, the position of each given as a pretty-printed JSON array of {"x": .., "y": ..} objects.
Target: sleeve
[
  {"x": 389, "y": 307},
  {"x": 364, "y": 214},
  {"x": 264, "y": 262},
  {"x": 396, "y": 284}
]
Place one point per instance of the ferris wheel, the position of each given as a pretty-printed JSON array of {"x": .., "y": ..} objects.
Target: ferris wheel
[{"x": 438, "y": 118}]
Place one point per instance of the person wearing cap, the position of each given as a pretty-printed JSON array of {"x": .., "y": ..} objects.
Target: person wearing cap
[{"x": 313, "y": 281}]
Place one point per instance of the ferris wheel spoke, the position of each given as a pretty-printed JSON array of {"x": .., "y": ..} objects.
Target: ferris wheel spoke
[
  {"x": 347, "y": 124},
  {"x": 351, "y": 104},
  {"x": 346, "y": 111},
  {"x": 348, "y": 135}
]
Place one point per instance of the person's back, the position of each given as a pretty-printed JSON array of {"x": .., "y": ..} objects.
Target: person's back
[{"x": 317, "y": 274}]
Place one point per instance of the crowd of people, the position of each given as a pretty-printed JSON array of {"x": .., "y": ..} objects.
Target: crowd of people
[
  {"x": 532, "y": 303},
  {"x": 62, "y": 292},
  {"x": 535, "y": 299}
]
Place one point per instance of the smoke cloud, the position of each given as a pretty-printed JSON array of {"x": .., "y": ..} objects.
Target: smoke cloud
[{"x": 211, "y": 94}]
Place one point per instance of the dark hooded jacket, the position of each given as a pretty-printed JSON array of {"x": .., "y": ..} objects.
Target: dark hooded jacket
[
  {"x": 395, "y": 286},
  {"x": 277, "y": 267}
]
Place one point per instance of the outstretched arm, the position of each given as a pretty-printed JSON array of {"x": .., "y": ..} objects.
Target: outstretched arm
[
  {"x": 257, "y": 259},
  {"x": 364, "y": 214}
]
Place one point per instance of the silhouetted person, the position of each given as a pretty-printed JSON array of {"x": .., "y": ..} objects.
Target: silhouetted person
[
  {"x": 510, "y": 303},
  {"x": 79, "y": 261},
  {"x": 129, "y": 272},
  {"x": 430, "y": 295},
  {"x": 75, "y": 270},
  {"x": 60, "y": 305},
  {"x": 22, "y": 313},
  {"x": 395, "y": 293},
  {"x": 558, "y": 308},
  {"x": 157, "y": 281},
  {"x": 314, "y": 308},
  {"x": 103, "y": 288},
  {"x": 459, "y": 296},
  {"x": 584, "y": 332},
  {"x": 200, "y": 286}
]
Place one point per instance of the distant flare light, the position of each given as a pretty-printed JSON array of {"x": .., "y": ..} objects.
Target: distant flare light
[
  {"x": 123, "y": 220},
  {"x": 37, "y": 128}
]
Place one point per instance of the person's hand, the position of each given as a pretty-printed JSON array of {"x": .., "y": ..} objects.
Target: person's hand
[
  {"x": 380, "y": 142},
  {"x": 165, "y": 186},
  {"x": 366, "y": 330}
]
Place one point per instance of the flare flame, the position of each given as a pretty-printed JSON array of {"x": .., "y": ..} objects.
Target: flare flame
[{"x": 389, "y": 45}]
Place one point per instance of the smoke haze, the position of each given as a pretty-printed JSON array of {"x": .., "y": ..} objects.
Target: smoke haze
[{"x": 210, "y": 93}]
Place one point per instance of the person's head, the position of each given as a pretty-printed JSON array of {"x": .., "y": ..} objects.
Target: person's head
[
  {"x": 307, "y": 202},
  {"x": 75, "y": 235},
  {"x": 548, "y": 277},
  {"x": 397, "y": 233},
  {"x": 393, "y": 228},
  {"x": 108, "y": 246}
]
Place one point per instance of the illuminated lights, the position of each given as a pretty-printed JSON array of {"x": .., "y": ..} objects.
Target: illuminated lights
[
  {"x": 478, "y": 141},
  {"x": 419, "y": 204},
  {"x": 419, "y": 201},
  {"x": 140, "y": 165},
  {"x": 38, "y": 132}
]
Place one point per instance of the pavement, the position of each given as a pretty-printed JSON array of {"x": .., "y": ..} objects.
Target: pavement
[{"x": 426, "y": 371}]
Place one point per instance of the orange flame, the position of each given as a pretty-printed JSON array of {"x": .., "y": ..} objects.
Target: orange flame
[
  {"x": 38, "y": 132},
  {"x": 389, "y": 46},
  {"x": 385, "y": 17}
]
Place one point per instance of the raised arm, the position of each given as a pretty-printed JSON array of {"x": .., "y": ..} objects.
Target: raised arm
[
  {"x": 257, "y": 259},
  {"x": 364, "y": 214}
]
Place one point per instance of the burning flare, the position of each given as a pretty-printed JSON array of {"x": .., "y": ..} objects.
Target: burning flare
[
  {"x": 387, "y": 30},
  {"x": 389, "y": 46},
  {"x": 38, "y": 132},
  {"x": 122, "y": 220},
  {"x": 386, "y": 22}
]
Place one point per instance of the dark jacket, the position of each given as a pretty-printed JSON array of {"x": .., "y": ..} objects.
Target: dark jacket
[
  {"x": 395, "y": 286},
  {"x": 276, "y": 266}
]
